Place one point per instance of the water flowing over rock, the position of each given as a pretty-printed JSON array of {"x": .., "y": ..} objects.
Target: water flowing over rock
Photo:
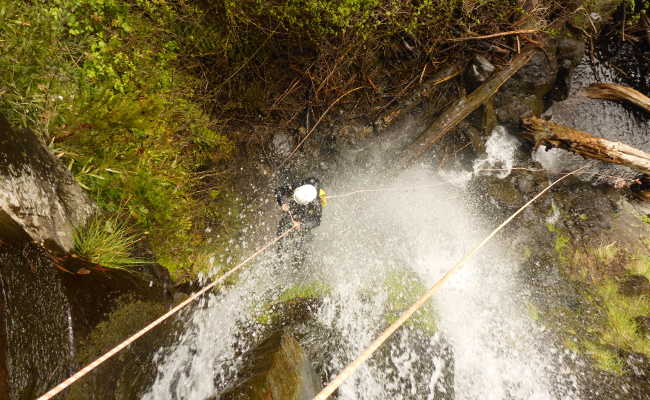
[
  {"x": 281, "y": 372},
  {"x": 39, "y": 198},
  {"x": 36, "y": 322}
]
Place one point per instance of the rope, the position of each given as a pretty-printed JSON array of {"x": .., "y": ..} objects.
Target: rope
[
  {"x": 338, "y": 196},
  {"x": 63, "y": 385},
  {"x": 352, "y": 367}
]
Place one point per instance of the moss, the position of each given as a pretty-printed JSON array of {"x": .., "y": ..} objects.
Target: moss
[
  {"x": 562, "y": 245},
  {"x": 310, "y": 290},
  {"x": 533, "y": 311},
  {"x": 605, "y": 358},
  {"x": 403, "y": 289},
  {"x": 620, "y": 329},
  {"x": 640, "y": 265},
  {"x": 124, "y": 373}
]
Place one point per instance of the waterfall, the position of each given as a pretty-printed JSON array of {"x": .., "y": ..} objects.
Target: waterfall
[{"x": 499, "y": 351}]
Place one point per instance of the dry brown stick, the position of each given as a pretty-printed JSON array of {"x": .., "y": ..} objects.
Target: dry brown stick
[
  {"x": 493, "y": 35},
  {"x": 550, "y": 134},
  {"x": 612, "y": 91},
  {"x": 461, "y": 108}
]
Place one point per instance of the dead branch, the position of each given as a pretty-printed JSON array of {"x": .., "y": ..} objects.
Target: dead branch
[
  {"x": 518, "y": 32},
  {"x": 550, "y": 135},
  {"x": 461, "y": 108},
  {"x": 611, "y": 91}
]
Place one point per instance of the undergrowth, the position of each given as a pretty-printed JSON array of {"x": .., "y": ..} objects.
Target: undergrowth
[
  {"x": 101, "y": 82},
  {"x": 136, "y": 96}
]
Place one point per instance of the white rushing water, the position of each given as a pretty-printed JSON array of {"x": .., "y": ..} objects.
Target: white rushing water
[{"x": 499, "y": 352}]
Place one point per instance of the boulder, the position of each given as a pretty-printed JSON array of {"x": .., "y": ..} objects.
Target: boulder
[
  {"x": 40, "y": 198},
  {"x": 280, "y": 370}
]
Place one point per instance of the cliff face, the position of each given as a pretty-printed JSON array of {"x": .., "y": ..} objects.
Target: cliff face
[
  {"x": 49, "y": 318},
  {"x": 40, "y": 199}
]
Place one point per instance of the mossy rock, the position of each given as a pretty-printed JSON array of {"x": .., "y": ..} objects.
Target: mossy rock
[
  {"x": 131, "y": 371},
  {"x": 279, "y": 370},
  {"x": 294, "y": 304},
  {"x": 404, "y": 288}
]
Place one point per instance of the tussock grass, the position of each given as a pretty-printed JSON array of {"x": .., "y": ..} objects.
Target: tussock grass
[{"x": 107, "y": 242}]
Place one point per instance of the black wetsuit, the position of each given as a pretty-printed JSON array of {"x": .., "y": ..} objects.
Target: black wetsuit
[
  {"x": 292, "y": 247},
  {"x": 309, "y": 214}
]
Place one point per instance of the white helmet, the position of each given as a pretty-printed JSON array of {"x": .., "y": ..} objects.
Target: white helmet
[{"x": 305, "y": 194}]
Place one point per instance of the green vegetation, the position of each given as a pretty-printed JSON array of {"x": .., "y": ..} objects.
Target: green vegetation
[
  {"x": 612, "y": 330},
  {"x": 309, "y": 290},
  {"x": 617, "y": 329},
  {"x": 149, "y": 102},
  {"x": 101, "y": 82},
  {"x": 118, "y": 375},
  {"x": 562, "y": 243},
  {"x": 621, "y": 330},
  {"x": 303, "y": 291},
  {"x": 106, "y": 242},
  {"x": 605, "y": 358},
  {"x": 641, "y": 265},
  {"x": 403, "y": 289}
]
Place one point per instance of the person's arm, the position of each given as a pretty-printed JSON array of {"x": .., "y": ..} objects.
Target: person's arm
[{"x": 311, "y": 217}]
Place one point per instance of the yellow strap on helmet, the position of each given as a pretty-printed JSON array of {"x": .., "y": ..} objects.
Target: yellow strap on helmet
[{"x": 323, "y": 197}]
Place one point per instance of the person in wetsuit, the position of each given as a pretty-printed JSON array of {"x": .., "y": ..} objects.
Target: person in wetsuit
[{"x": 301, "y": 202}]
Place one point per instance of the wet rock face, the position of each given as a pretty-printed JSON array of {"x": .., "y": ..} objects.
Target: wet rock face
[
  {"x": 283, "y": 144},
  {"x": 39, "y": 198},
  {"x": 35, "y": 323},
  {"x": 524, "y": 93},
  {"x": 281, "y": 371}
]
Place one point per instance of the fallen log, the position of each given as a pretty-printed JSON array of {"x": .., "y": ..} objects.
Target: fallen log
[
  {"x": 461, "y": 108},
  {"x": 550, "y": 135},
  {"x": 611, "y": 91}
]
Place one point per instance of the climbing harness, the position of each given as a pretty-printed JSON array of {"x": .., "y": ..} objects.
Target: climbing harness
[
  {"x": 368, "y": 352},
  {"x": 63, "y": 385}
]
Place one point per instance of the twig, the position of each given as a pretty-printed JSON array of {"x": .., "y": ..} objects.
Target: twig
[
  {"x": 318, "y": 122},
  {"x": 518, "y": 32}
]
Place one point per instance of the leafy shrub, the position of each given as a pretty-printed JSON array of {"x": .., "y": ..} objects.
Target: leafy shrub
[{"x": 102, "y": 83}]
